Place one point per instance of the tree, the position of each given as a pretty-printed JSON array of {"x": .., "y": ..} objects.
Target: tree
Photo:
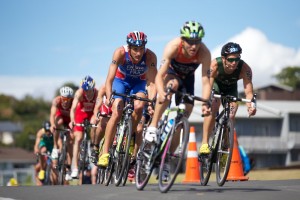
[{"x": 289, "y": 76}]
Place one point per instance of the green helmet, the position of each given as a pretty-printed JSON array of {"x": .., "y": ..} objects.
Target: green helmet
[{"x": 192, "y": 30}]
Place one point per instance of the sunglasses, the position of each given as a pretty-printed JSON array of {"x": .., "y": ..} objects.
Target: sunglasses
[
  {"x": 233, "y": 59},
  {"x": 66, "y": 99},
  {"x": 192, "y": 41}
]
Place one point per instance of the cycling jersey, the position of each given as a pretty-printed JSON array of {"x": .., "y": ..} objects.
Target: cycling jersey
[
  {"x": 63, "y": 110},
  {"x": 184, "y": 69},
  {"x": 128, "y": 70},
  {"x": 46, "y": 141},
  {"x": 227, "y": 83},
  {"x": 85, "y": 109},
  {"x": 183, "y": 66},
  {"x": 130, "y": 77}
]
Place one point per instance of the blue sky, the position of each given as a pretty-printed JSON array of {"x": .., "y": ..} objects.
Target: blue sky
[{"x": 46, "y": 43}]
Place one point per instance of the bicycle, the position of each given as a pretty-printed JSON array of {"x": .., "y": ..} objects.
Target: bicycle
[
  {"x": 119, "y": 158},
  {"x": 62, "y": 160},
  {"x": 83, "y": 155},
  {"x": 220, "y": 142},
  {"x": 48, "y": 171},
  {"x": 151, "y": 156}
]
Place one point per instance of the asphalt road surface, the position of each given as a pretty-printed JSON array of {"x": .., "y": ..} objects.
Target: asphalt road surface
[{"x": 254, "y": 190}]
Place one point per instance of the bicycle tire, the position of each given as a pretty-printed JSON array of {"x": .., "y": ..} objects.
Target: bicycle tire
[
  {"x": 62, "y": 164},
  {"x": 175, "y": 158},
  {"x": 207, "y": 161},
  {"x": 47, "y": 180},
  {"x": 122, "y": 164},
  {"x": 83, "y": 157},
  {"x": 143, "y": 171},
  {"x": 100, "y": 170},
  {"x": 109, "y": 170},
  {"x": 224, "y": 153}
]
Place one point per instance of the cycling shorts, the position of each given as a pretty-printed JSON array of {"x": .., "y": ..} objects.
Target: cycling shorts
[
  {"x": 66, "y": 119},
  {"x": 128, "y": 86},
  {"x": 186, "y": 85},
  {"x": 79, "y": 118}
]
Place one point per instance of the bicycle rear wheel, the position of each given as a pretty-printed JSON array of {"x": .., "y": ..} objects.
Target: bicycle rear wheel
[
  {"x": 174, "y": 156},
  {"x": 224, "y": 153},
  {"x": 123, "y": 158},
  {"x": 145, "y": 165}
]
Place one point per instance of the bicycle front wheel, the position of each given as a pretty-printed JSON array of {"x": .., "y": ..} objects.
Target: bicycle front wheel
[
  {"x": 109, "y": 170},
  {"x": 224, "y": 153},
  {"x": 207, "y": 160},
  {"x": 123, "y": 158},
  {"x": 145, "y": 165},
  {"x": 173, "y": 154},
  {"x": 62, "y": 164}
]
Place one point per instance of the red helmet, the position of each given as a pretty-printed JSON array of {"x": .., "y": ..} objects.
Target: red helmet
[
  {"x": 104, "y": 110},
  {"x": 137, "y": 38}
]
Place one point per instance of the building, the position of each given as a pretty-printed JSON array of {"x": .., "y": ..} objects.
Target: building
[
  {"x": 16, "y": 163},
  {"x": 8, "y": 130},
  {"x": 271, "y": 137}
]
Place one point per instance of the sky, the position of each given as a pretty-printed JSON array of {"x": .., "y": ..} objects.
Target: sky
[{"x": 44, "y": 44}]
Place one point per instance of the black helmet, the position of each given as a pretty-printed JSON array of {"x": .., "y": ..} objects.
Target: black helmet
[
  {"x": 231, "y": 48},
  {"x": 47, "y": 126}
]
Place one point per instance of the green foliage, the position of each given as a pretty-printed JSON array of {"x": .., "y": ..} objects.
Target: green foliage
[
  {"x": 289, "y": 76},
  {"x": 30, "y": 112}
]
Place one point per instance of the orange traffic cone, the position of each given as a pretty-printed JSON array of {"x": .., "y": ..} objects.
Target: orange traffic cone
[
  {"x": 192, "y": 165},
  {"x": 236, "y": 172}
]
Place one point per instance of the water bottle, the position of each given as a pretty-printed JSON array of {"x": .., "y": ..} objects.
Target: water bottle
[{"x": 167, "y": 129}]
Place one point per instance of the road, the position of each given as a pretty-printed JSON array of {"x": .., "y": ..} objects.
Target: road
[{"x": 264, "y": 190}]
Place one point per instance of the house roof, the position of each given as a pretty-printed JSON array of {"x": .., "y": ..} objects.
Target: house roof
[
  {"x": 282, "y": 87},
  {"x": 16, "y": 155},
  {"x": 265, "y": 109},
  {"x": 7, "y": 126}
]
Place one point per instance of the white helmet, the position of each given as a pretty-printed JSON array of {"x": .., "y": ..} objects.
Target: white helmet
[{"x": 66, "y": 92}]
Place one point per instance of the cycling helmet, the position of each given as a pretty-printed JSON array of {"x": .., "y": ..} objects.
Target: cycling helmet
[
  {"x": 136, "y": 38},
  {"x": 192, "y": 30},
  {"x": 66, "y": 92},
  {"x": 87, "y": 83},
  {"x": 47, "y": 126},
  {"x": 231, "y": 48}
]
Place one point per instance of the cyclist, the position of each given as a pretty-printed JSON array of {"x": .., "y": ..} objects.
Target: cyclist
[
  {"x": 101, "y": 121},
  {"x": 82, "y": 108},
  {"x": 43, "y": 144},
  {"x": 60, "y": 116},
  {"x": 133, "y": 67},
  {"x": 225, "y": 73},
  {"x": 181, "y": 57}
]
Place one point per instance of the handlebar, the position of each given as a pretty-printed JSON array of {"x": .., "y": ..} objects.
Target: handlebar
[{"x": 132, "y": 96}]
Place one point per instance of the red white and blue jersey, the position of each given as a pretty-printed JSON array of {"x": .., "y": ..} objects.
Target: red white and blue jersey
[{"x": 128, "y": 71}]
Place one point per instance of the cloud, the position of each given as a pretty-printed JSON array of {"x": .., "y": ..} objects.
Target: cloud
[{"x": 265, "y": 57}]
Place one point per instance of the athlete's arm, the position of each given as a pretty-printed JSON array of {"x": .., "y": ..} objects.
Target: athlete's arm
[
  {"x": 37, "y": 141},
  {"x": 151, "y": 74},
  {"x": 53, "y": 111},
  {"x": 118, "y": 58},
  {"x": 169, "y": 53},
  {"x": 206, "y": 63},
  {"x": 246, "y": 75},
  {"x": 77, "y": 97}
]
